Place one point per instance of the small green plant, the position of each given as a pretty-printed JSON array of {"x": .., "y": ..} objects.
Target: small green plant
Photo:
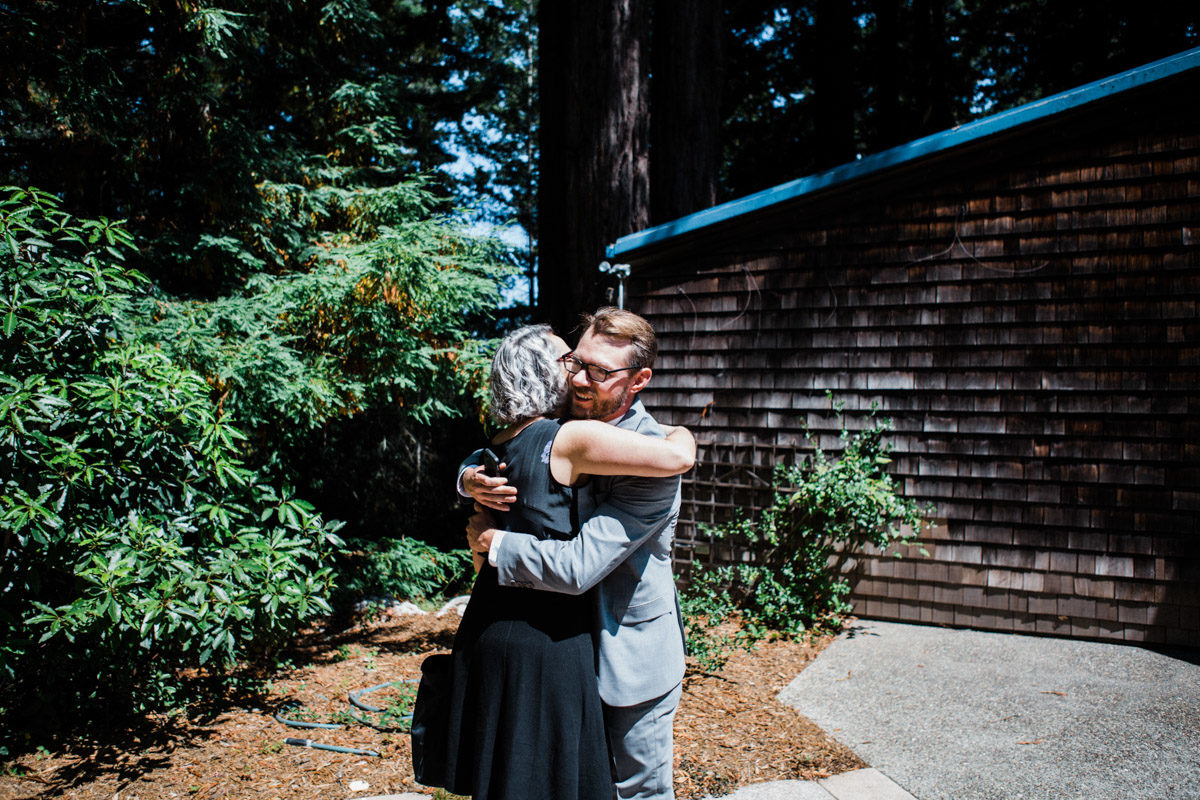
[
  {"x": 402, "y": 568},
  {"x": 403, "y": 703},
  {"x": 824, "y": 511},
  {"x": 298, "y": 713},
  {"x": 714, "y": 627},
  {"x": 394, "y": 715},
  {"x": 397, "y": 713}
]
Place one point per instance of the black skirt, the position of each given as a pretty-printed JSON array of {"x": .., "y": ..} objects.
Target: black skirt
[{"x": 526, "y": 722}]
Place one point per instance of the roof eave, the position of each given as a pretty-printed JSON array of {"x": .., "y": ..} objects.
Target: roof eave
[{"x": 953, "y": 138}]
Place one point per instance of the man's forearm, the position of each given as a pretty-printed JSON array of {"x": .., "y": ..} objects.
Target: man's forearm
[{"x": 644, "y": 508}]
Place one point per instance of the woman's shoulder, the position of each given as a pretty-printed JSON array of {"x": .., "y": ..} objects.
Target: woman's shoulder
[
  {"x": 534, "y": 435},
  {"x": 544, "y": 428}
]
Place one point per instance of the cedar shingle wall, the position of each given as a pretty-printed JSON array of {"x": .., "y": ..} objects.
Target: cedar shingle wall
[{"x": 1029, "y": 318}]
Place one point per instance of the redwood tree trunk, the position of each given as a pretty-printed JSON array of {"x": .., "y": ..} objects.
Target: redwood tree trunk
[
  {"x": 833, "y": 84},
  {"x": 885, "y": 56},
  {"x": 932, "y": 62},
  {"x": 685, "y": 91},
  {"x": 594, "y": 179}
]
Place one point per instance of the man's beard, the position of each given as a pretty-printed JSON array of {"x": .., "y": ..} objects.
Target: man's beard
[{"x": 598, "y": 409}]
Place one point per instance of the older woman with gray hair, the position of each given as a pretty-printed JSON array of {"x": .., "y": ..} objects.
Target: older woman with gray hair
[{"x": 524, "y": 717}]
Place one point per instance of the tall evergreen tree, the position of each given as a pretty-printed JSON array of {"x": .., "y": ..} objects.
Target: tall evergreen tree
[
  {"x": 264, "y": 154},
  {"x": 685, "y": 106},
  {"x": 833, "y": 84},
  {"x": 811, "y": 83},
  {"x": 594, "y": 144},
  {"x": 207, "y": 124}
]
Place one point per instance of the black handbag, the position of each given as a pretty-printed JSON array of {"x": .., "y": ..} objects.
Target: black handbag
[{"x": 431, "y": 715}]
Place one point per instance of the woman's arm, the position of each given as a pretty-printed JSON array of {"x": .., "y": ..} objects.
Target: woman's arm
[{"x": 591, "y": 447}]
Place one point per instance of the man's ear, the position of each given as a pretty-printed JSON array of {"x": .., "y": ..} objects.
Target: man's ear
[{"x": 640, "y": 379}]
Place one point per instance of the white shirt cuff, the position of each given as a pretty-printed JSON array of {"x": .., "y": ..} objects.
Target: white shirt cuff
[{"x": 496, "y": 537}]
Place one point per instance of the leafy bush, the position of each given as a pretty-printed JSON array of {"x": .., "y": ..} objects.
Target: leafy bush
[
  {"x": 824, "y": 511},
  {"x": 347, "y": 372},
  {"x": 135, "y": 542},
  {"x": 404, "y": 568}
]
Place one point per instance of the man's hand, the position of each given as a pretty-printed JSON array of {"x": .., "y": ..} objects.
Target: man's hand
[
  {"x": 489, "y": 492},
  {"x": 480, "y": 528}
]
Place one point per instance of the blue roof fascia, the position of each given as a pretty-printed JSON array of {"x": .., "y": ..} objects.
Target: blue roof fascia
[{"x": 914, "y": 150}]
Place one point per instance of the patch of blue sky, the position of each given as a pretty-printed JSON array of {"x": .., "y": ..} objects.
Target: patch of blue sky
[
  {"x": 516, "y": 289},
  {"x": 982, "y": 102},
  {"x": 765, "y": 35},
  {"x": 784, "y": 100},
  {"x": 466, "y": 163}
]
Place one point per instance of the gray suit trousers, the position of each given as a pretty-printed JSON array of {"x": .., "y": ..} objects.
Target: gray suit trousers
[{"x": 642, "y": 745}]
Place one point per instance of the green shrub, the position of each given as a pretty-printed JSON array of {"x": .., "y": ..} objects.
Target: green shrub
[
  {"x": 135, "y": 542},
  {"x": 824, "y": 511},
  {"x": 404, "y": 568},
  {"x": 357, "y": 373}
]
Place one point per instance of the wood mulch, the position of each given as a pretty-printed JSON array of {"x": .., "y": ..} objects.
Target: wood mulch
[{"x": 730, "y": 730}]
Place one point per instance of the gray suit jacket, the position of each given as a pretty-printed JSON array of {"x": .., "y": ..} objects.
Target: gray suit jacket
[{"x": 624, "y": 550}]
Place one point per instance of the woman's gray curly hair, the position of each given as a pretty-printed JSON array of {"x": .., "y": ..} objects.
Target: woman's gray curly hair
[{"x": 526, "y": 379}]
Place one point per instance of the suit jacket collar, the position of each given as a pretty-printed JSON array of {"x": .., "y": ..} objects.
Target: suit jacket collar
[{"x": 635, "y": 410}]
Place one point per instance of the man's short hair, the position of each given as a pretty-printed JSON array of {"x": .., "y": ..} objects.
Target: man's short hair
[{"x": 621, "y": 324}]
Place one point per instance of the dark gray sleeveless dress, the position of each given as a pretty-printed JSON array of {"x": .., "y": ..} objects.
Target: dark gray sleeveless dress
[{"x": 526, "y": 719}]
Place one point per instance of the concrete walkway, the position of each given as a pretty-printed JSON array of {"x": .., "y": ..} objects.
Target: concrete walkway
[
  {"x": 964, "y": 715},
  {"x": 862, "y": 784}
]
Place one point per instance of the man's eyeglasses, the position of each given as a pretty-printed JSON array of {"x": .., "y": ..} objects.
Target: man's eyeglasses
[{"x": 594, "y": 371}]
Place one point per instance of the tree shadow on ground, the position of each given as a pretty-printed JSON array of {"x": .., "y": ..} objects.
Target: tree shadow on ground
[
  {"x": 121, "y": 753},
  {"x": 118, "y": 754},
  {"x": 856, "y": 630},
  {"x": 327, "y": 645}
]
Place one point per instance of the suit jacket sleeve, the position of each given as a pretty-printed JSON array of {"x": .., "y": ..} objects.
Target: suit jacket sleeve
[
  {"x": 635, "y": 510},
  {"x": 473, "y": 460}
]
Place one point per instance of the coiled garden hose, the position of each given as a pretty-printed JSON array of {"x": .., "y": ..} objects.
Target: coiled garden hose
[
  {"x": 296, "y": 723},
  {"x": 333, "y": 747},
  {"x": 354, "y": 700}
]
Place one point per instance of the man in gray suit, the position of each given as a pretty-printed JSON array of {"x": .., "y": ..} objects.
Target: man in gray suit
[{"x": 623, "y": 549}]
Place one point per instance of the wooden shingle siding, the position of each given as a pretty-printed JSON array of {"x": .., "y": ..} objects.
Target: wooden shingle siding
[{"x": 1028, "y": 315}]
